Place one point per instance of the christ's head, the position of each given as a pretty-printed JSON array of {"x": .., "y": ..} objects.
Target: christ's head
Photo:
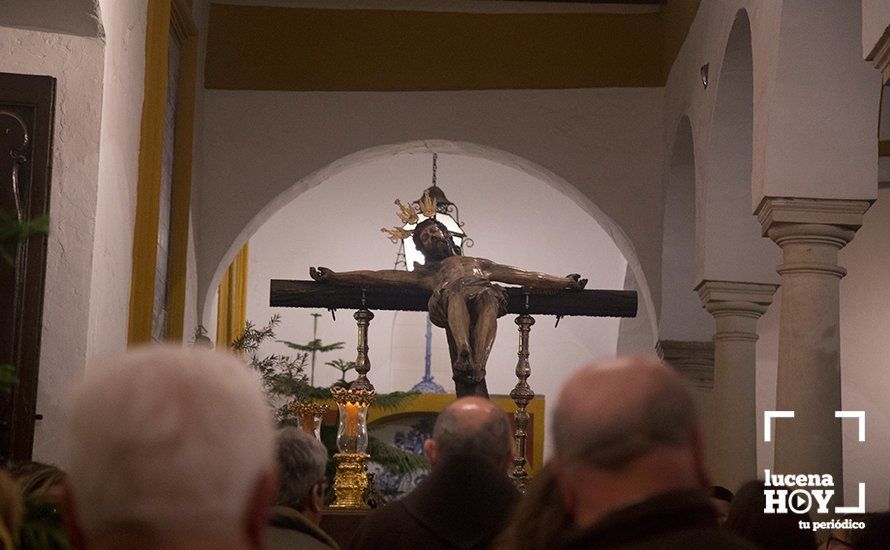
[{"x": 433, "y": 240}]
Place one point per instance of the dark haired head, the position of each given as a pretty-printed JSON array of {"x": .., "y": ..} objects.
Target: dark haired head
[{"x": 436, "y": 250}]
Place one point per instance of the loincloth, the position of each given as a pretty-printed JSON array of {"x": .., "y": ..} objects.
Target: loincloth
[{"x": 467, "y": 289}]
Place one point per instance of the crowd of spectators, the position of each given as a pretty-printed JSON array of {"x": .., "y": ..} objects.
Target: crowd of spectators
[{"x": 176, "y": 449}]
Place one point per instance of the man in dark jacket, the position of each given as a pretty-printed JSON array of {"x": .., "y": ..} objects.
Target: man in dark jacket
[
  {"x": 466, "y": 500},
  {"x": 628, "y": 458}
]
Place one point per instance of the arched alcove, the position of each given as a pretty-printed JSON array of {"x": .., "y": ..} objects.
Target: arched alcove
[
  {"x": 646, "y": 307},
  {"x": 732, "y": 248},
  {"x": 682, "y": 317},
  {"x": 514, "y": 218}
]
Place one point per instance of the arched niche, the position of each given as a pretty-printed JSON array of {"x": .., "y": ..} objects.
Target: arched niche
[
  {"x": 682, "y": 317},
  {"x": 551, "y": 180},
  {"x": 513, "y": 216},
  {"x": 732, "y": 248}
]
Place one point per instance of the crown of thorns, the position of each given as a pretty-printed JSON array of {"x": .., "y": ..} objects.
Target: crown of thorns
[{"x": 410, "y": 216}]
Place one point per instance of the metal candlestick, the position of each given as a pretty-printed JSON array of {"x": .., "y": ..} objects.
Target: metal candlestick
[{"x": 522, "y": 394}]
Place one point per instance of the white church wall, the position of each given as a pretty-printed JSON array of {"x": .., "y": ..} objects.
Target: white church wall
[
  {"x": 261, "y": 149},
  {"x": 77, "y": 63},
  {"x": 865, "y": 354},
  {"x": 682, "y": 316},
  {"x": 513, "y": 218},
  {"x": 823, "y": 109},
  {"x": 124, "y": 24}
]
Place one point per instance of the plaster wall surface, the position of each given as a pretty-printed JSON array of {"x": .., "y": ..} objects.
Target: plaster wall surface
[
  {"x": 823, "y": 110},
  {"x": 77, "y": 63},
  {"x": 118, "y": 166},
  {"x": 865, "y": 354},
  {"x": 875, "y": 20},
  {"x": 682, "y": 316},
  {"x": 513, "y": 218},
  {"x": 261, "y": 149}
]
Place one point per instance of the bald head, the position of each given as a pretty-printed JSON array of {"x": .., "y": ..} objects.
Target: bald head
[
  {"x": 615, "y": 411},
  {"x": 473, "y": 427}
]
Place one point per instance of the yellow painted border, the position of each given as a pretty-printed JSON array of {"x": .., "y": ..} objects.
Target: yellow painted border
[
  {"x": 232, "y": 300},
  {"x": 435, "y": 402},
  {"x": 314, "y": 49},
  {"x": 177, "y": 269},
  {"x": 160, "y": 15}
]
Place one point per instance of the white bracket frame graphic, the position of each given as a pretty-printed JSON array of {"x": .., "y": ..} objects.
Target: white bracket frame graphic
[
  {"x": 767, "y": 424},
  {"x": 860, "y": 415}
]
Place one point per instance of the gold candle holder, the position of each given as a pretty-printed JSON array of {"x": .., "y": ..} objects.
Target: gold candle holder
[
  {"x": 310, "y": 413},
  {"x": 351, "y": 479}
]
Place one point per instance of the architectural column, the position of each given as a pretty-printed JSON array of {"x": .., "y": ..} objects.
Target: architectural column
[
  {"x": 736, "y": 307},
  {"x": 810, "y": 233}
]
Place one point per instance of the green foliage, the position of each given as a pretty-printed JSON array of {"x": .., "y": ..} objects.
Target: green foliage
[
  {"x": 313, "y": 345},
  {"x": 393, "y": 400},
  {"x": 394, "y": 459},
  {"x": 343, "y": 367},
  {"x": 283, "y": 376},
  {"x": 285, "y": 380},
  {"x": 13, "y": 231},
  {"x": 8, "y": 379}
]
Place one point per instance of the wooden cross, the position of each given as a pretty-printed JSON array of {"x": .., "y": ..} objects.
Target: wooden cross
[
  {"x": 520, "y": 301},
  {"x": 586, "y": 303}
]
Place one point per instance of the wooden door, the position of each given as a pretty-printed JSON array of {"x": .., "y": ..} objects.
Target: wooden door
[{"x": 26, "y": 122}]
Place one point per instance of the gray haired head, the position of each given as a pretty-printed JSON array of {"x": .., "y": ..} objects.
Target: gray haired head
[{"x": 302, "y": 461}]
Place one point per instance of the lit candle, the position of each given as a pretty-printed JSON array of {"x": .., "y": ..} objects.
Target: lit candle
[
  {"x": 352, "y": 420},
  {"x": 307, "y": 422}
]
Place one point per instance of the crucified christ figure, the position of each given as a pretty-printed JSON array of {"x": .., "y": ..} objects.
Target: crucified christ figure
[{"x": 465, "y": 300}]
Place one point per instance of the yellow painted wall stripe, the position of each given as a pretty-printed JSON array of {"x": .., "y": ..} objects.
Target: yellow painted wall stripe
[
  {"x": 275, "y": 48},
  {"x": 232, "y": 301},
  {"x": 151, "y": 143},
  {"x": 162, "y": 14},
  {"x": 182, "y": 189}
]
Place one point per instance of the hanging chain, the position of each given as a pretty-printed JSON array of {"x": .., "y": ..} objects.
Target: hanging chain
[{"x": 435, "y": 156}]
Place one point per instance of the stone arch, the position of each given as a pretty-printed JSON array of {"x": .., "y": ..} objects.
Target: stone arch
[
  {"x": 682, "y": 317},
  {"x": 622, "y": 241},
  {"x": 731, "y": 245}
]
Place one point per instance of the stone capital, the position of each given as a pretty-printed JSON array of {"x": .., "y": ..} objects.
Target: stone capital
[
  {"x": 693, "y": 360},
  {"x": 880, "y": 55},
  {"x": 733, "y": 297},
  {"x": 778, "y": 213}
]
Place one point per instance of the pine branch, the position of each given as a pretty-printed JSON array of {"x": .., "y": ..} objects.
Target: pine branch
[{"x": 394, "y": 400}]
